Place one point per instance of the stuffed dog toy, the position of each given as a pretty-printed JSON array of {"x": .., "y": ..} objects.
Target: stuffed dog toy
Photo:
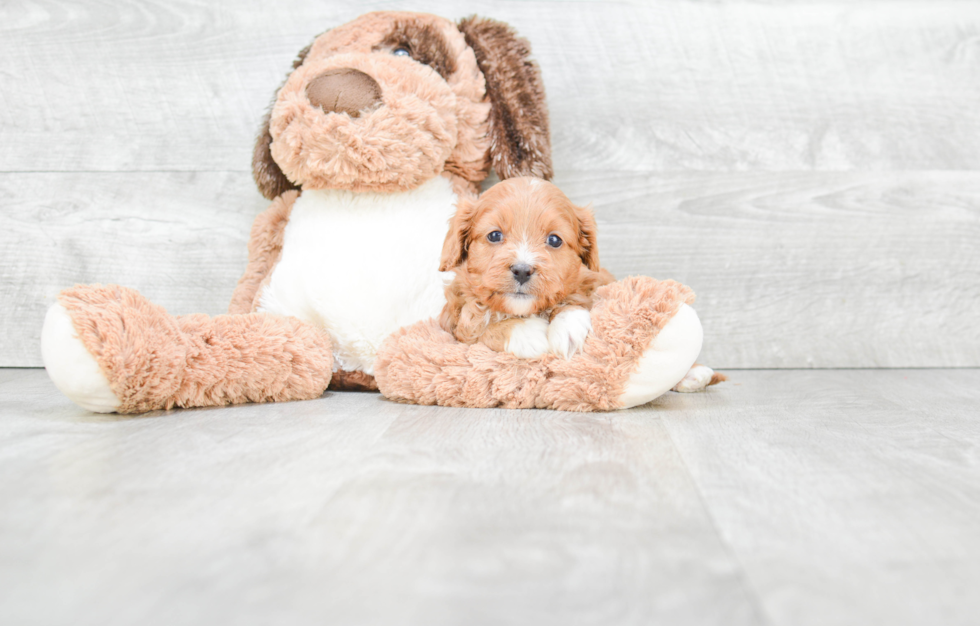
[{"x": 384, "y": 124}]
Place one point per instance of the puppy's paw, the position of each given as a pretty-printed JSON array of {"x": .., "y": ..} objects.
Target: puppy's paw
[
  {"x": 696, "y": 379},
  {"x": 528, "y": 338},
  {"x": 567, "y": 332}
]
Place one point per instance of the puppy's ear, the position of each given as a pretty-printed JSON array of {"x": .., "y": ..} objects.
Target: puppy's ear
[
  {"x": 456, "y": 244},
  {"x": 520, "y": 144},
  {"x": 267, "y": 174},
  {"x": 587, "y": 238}
]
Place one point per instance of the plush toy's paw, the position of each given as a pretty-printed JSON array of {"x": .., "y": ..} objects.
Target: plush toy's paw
[
  {"x": 74, "y": 371},
  {"x": 567, "y": 332},
  {"x": 529, "y": 338},
  {"x": 668, "y": 358},
  {"x": 696, "y": 379}
]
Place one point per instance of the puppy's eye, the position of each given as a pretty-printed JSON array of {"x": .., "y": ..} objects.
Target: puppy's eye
[
  {"x": 495, "y": 237},
  {"x": 554, "y": 241},
  {"x": 401, "y": 52}
]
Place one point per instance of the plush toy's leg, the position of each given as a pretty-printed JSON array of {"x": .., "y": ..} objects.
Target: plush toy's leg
[
  {"x": 644, "y": 339},
  {"x": 667, "y": 359},
  {"x": 109, "y": 349}
]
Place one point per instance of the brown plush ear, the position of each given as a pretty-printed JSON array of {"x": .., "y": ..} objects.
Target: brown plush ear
[
  {"x": 587, "y": 238},
  {"x": 269, "y": 178},
  {"x": 520, "y": 142},
  {"x": 454, "y": 248}
]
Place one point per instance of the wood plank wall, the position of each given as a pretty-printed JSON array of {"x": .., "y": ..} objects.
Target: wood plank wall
[{"x": 809, "y": 168}]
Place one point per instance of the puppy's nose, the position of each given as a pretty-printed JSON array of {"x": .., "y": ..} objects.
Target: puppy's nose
[
  {"x": 344, "y": 91},
  {"x": 522, "y": 272}
]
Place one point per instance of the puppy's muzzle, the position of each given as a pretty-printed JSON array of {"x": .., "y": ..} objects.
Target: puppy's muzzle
[
  {"x": 344, "y": 91},
  {"x": 522, "y": 272}
]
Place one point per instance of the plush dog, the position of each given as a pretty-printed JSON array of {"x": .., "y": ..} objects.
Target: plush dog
[{"x": 380, "y": 129}]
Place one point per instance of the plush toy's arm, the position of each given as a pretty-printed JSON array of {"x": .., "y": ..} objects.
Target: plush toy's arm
[
  {"x": 264, "y": 248},
  {"x": 644, "y": 338}
]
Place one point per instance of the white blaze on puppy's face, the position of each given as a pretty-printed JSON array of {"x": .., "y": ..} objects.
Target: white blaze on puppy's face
[
  {"x": 521, "y": 302},
  {"x": 525, "y": 254}
]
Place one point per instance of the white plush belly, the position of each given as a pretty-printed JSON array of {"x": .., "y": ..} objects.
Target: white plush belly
[{"x": 362, "y": 265}]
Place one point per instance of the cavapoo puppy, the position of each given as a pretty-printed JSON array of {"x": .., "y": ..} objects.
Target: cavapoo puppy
[{"x": 526, "y": 266}]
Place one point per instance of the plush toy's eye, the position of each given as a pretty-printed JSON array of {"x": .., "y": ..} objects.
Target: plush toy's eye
[
  {"x": 495, "y": 237},
  {"x": 401, "y": 52},
  {"x": 554, "y": 241}
]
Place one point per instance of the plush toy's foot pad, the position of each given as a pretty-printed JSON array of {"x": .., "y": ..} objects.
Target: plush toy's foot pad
[
  {"x": 667, "y": 360},
  {"x": 74, "y": 371}
]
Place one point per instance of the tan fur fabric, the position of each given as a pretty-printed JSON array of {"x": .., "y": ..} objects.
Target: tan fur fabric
[
  {"x": 154, "y": 360},
  {"x": 264, "y": 250},
  {"x": 424, "y": 364},
  {"x": 352, "y": 381}
]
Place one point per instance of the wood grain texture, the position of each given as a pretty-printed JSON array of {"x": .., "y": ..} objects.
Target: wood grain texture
[
  {"x": 781, "y": 498},
  {"x": 351, "y": 510},
  {"x": 668, "y": 85},
  {"x": 179, "y": 238},
  {"x": 792, "y": 269},
  {"x": 855, "y": 269},
  {"x": 848, "y": 497}
]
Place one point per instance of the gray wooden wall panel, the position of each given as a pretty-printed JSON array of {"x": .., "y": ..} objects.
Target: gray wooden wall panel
[
  {"x": 179, "y": 238},
  {"x": 661, "y": 85},
  {"x": 817, "y": 269},
  {"x": 809, "y": 168}
]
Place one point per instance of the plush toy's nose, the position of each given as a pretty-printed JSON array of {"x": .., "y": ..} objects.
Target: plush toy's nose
[{"x": 344, "y": 91}]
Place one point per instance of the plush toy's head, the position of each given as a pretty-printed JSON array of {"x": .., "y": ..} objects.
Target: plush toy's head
[
  {"x": 521, "y": 247},
  {"x": 391, "y": 100}
]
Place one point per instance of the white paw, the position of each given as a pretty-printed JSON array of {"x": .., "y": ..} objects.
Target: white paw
[
  {"x": 567, "y": 332},
  {"x": 696, "y": 379},
  {"x": 73, "y": 370},
  {"x": 528, "y": 339}
]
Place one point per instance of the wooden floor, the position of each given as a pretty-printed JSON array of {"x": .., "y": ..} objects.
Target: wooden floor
[{"x": 782, "y": 497}]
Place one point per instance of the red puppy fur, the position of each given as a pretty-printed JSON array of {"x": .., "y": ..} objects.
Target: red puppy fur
[{"x": 526, "y": 265}]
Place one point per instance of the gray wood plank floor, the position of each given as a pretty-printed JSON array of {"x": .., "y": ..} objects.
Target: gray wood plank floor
[{"x": 782, "y": 497}]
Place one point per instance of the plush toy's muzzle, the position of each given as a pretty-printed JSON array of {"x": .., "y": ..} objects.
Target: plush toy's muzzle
[{"x": 401, "y": 134}]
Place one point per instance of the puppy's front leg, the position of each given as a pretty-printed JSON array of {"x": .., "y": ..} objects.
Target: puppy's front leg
[
  {"x": 568, "y": 329},
  {"x": 526, "y": 337}
]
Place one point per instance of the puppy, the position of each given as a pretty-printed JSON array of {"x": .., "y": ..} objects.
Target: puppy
[{"x": 526, "y": 266}]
